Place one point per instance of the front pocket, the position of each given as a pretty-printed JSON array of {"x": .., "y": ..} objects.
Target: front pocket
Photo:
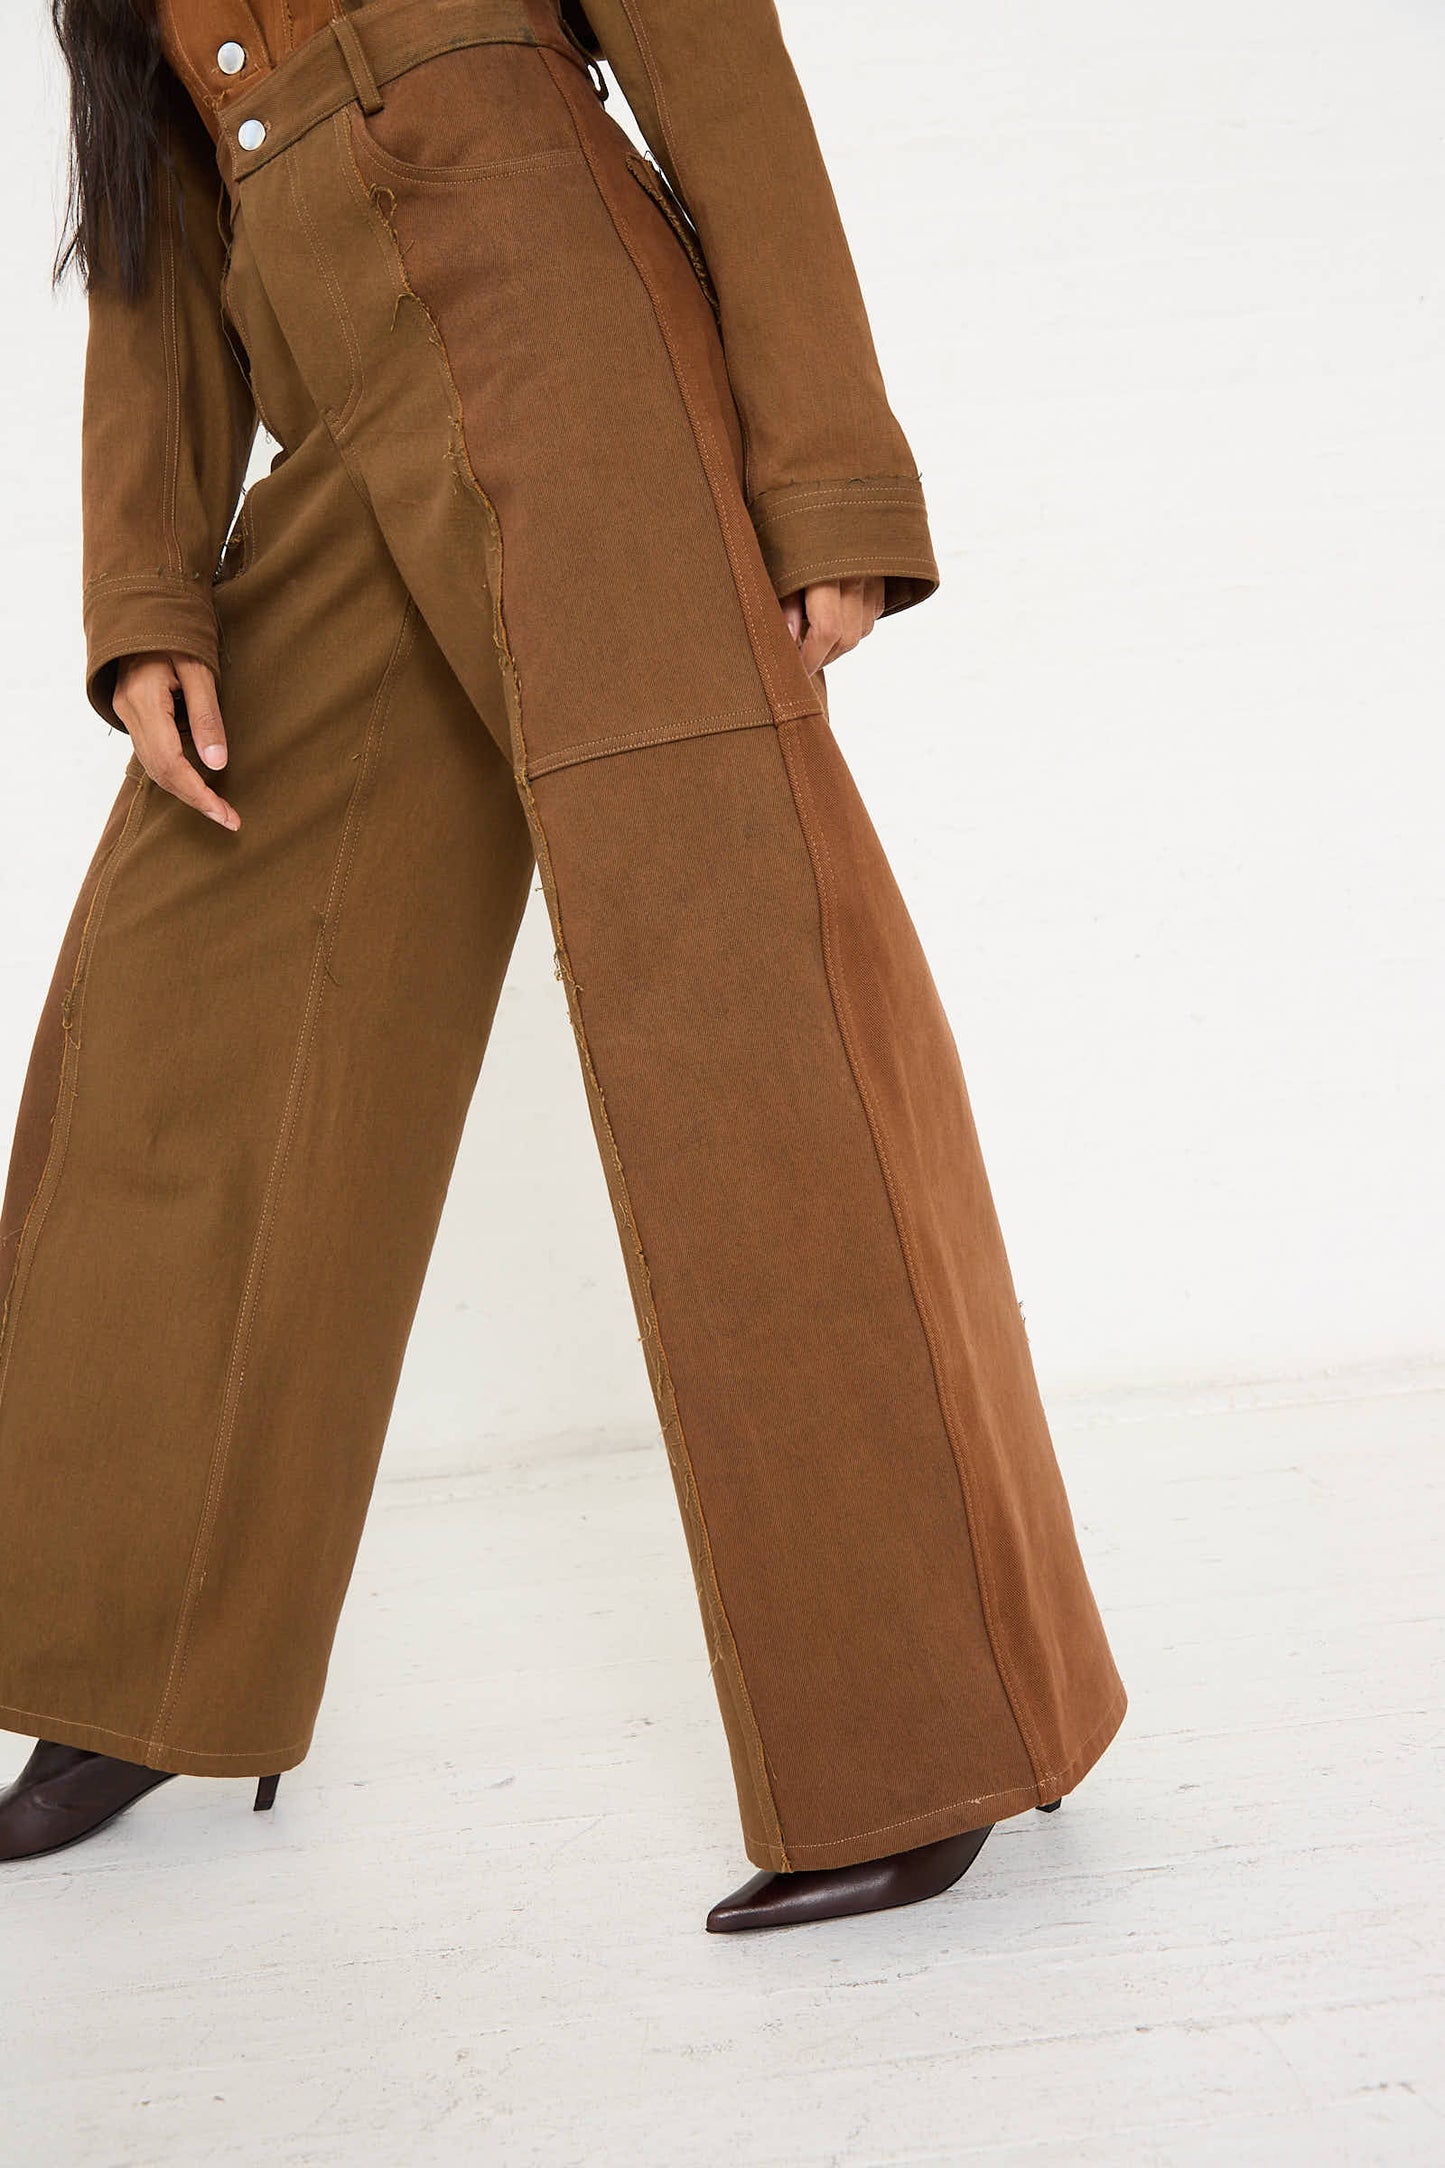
[
  {"x": 654, "y": 184},
  {"x": 463, "y": 113}
]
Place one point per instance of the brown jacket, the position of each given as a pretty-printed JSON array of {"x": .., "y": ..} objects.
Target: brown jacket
[{"x": 169, "y": 420}]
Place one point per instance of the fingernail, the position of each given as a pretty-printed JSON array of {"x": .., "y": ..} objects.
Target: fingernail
[{"x": 214, "y": 755}]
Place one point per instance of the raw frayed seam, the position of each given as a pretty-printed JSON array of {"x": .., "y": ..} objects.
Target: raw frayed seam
[{"x": 456, "y": 456}]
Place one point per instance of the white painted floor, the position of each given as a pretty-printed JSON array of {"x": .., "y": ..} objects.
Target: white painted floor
[{"x": 472, "y": 1931}]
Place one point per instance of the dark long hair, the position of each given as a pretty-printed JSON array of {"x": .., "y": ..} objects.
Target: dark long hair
[{"x": 112, "y": 49}]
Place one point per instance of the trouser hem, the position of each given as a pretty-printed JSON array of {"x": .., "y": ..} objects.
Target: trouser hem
[
  {"x": 945, "y": 1821},
  {"x": 137, "y": 1747}
]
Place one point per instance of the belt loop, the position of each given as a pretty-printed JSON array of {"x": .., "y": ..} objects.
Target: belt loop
[{"x": 363, "y": 81}]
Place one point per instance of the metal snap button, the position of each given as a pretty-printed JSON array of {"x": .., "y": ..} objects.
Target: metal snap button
[
  {"x": 251, "y": 134},
  {"x": 231, "y": 59}
]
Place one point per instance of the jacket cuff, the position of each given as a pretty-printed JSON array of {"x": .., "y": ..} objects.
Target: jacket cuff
[
  {"x": 140, "y": 614},
  {"x": 813, "y": 531}
]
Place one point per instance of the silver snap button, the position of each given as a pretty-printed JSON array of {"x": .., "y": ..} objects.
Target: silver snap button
[
  {"x": 251, "y": 134},
  {"x": 231, "y": 59}
]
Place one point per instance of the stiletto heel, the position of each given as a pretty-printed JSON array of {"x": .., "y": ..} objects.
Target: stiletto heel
[{"x": 266, "y": 1795}]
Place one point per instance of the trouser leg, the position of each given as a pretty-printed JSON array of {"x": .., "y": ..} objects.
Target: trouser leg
[
  {"x": 531, "y": 390},
  {"x": 245, "y": 1098},
  {"x": 522, "y": 378}
]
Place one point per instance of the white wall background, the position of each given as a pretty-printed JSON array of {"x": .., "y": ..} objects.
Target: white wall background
[{"x": 1160, "y": 297}]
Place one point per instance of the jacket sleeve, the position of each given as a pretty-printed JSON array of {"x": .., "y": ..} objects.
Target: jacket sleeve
[
  {"x": 167, "y": 428},
  {"x": 831, "y": 482}
]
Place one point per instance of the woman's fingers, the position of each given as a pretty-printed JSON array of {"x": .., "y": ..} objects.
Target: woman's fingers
[
  {"x": 203, "y": 710},
  {"x": 838, "y": 614},
  {"x": 850, "y": 628},
  {"x": 823, "y": 607},
  {"x": 174, "y": 773},
  {"x": 145, "y": 700}
]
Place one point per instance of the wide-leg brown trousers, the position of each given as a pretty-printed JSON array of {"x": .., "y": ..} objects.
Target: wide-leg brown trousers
[{"x": 499, "y": 602}]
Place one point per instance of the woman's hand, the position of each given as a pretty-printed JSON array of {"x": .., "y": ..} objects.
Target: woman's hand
[
  {"x": 145, "y": 700},
  {"x": 828, "y": 619}
]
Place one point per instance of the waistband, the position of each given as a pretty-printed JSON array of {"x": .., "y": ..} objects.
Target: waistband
[{"x": 360, "y": 51}]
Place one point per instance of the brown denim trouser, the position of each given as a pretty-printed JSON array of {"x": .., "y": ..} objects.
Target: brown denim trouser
[{"x": 500, "y": 602}]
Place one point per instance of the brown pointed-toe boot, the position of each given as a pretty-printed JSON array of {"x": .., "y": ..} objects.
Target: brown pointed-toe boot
[
  {"x": 829, "y": 1893},
  {"x": 64, "y": 1794}
]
